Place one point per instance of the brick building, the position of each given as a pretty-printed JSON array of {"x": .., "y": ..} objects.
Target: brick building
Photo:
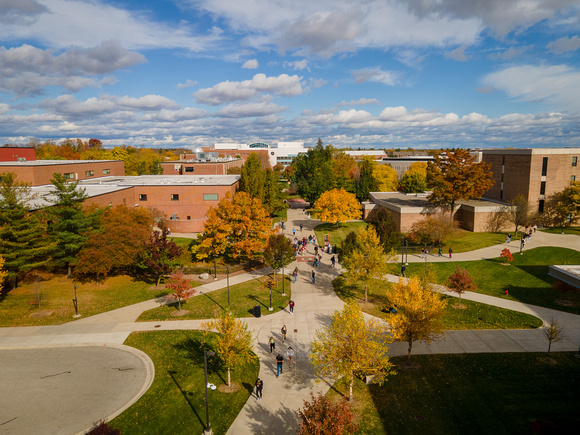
[
  {"x": 534, "y": 173},
  {"x": 220, "y": 166},
  {"x": 17, "y": 154}
]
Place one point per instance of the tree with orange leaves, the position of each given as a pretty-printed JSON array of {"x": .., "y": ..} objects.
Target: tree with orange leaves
[
  {"x": 454, "y": 175},
  {"x": 238, "y": 228}
]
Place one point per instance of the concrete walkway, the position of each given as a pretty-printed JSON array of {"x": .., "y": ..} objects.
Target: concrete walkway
[{"x": 315, "y": 304}]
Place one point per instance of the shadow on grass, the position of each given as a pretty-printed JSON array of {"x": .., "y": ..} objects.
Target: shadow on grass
[
  {"x": 184, "y": 394},
  {"x": 195, "y": 349},
  {"x": 207, "y": 295}
]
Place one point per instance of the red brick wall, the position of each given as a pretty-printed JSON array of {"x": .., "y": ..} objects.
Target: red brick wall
[
  {"x": 123, "y": 197},
  {"x": 12, "y": 154}
]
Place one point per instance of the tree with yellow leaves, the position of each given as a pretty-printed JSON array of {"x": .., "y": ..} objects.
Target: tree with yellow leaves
[
  {"x": 350, "y": 346},
  {"x": 337, "y": 205},
  {"x": 3, "y": 272},
  {"x": 367, "y": 262},
  {"x": 238, "y": 227},
  {"x": 418, "y": 313},
  {"x": 233, "y": 345},
  {"x": 386, "y": 178}
]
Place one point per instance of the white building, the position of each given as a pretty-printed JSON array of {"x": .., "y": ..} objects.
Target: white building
[{"x": 283, "y": 153}]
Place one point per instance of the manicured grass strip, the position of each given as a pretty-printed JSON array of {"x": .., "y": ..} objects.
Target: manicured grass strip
[
  {"x": 465, "y": 241},
  {"x": 475, "y": 316},
  {"x": 473, "y": 393},
  {"x": 335, "y": 233},
  {"x": 175, "y": 402},
  {"x": 567, "y": 230},
  {"x": 183, "y": 242},
  {"x": 243, "y": 298},
  {"x": 57, "y": 293},
  {"x": 526, "y": 279}
]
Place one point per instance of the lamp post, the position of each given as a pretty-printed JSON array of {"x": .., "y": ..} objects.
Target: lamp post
[
  {"x": 283, "y": 288},
  {"x": 270, "y": 285},
  {"x": 228, "y": 283},
  {"x": 76, "y": 304},
  {"x": 215, "y": 266},
  {"x": 207, "y": 429}
]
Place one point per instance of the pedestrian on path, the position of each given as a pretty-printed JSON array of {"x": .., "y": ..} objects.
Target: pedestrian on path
[
  {"x": 279, "y": 364},
  {"x": 291, "y": 305},
  {"x": 290, "y": 354},
  {"x": 450, "y": 252},
  {"x": 300, "y": 227},
  {"x": 272, "y": 343},
  {"x": 284, "y": 330},
  {"x": 403, "y": 268},
  {"x": 440, "y": 251},
  {"x": 259, "y": 386},
  {"x": 313, "y": 277},
  {"x": 295, "y": 274},
  {"x": 333, "y": 261},
  {"x": 294, "y": 231}
]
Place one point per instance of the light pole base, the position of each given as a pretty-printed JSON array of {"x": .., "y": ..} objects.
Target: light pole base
[
  {"x": 270, "y": 309},
  {"x": 207, "y": 432},
  {"x": 76, "y": 316}
]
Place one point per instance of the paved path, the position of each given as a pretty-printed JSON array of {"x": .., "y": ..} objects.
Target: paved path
[{"x": 315, "y": 304}]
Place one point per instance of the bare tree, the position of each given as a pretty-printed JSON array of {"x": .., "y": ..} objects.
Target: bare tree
[{"x": 554, "y": 333}]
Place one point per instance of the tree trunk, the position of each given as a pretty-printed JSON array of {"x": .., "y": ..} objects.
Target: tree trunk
[
  {"x": 229, "y": 378},
  {"x": 409, "y": 350},
  {"x": 179, "y": 304},
  {"x": 366, "y": 299},
  {"x": 69, "y": 271},
  {"x": 350, "y": 387},
  {"x": 159, "y": 280}
]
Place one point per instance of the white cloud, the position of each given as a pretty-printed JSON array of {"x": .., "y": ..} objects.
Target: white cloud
[
  {"x": 374, "y": 75},
  {"x": 563, "y": 45},
  {"x": 317, "y": 83},
  {"x": 458, "y": 54},
  {"x": 557, "y": 85},
  {"x": 20, "y": 11},
  {"x": 59, "y": 22},
  {"x": 188, "y": 84},
  {"x": 298, "y": 65},
  {"x": 511, "y": 53},
  {"x": 359, "y": 102},
  {"x": 250, "y": 64},
  {"x": 225, "y": 92},
  {"x": 247, "y": 110}
]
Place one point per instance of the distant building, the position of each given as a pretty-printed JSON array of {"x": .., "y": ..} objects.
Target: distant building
[
  {"x": 17, "y": 154},
  {"x": 201, "y": 162},
  {"x": 283, "y": 153},
  {"x": 533, "y": 173}
]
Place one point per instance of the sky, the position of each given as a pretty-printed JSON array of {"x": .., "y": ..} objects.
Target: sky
[{"x": 371, "y": 74}]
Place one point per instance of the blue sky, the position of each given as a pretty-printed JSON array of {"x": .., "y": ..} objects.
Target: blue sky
[{"x": 373, "y": 73}]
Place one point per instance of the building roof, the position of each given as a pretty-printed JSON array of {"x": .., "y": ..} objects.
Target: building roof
[
  {"x": 44, "y": 198},
  {"x": 530, "y": 151},
  {"x": 568, "y": 274},
  {"x": 53, "y": 162},
  {"x": 163, "y": 180}
]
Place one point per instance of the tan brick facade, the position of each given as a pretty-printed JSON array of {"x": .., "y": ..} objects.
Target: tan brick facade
[{"x": 200, "y": 168}]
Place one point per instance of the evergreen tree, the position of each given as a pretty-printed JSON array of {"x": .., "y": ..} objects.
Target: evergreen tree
[
  {"x": 386, "y": 230},
  {"x": 365, "y": 182},
  {"x": 313, "y": 172}
]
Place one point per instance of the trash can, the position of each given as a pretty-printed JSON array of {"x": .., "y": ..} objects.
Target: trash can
[{"x": 257, "y": 311}]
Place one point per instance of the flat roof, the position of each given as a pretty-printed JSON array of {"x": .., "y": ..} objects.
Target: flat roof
[
  {"x": 530, "y": 151},
  {"x": 570, "y": 274},
  {"x": 43, "y": 196},
  {"x": 53, "y": 162},
  {"x": 163, "y": 180}
]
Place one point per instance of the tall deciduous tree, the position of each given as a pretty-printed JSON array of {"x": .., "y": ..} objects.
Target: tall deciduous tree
[
  {"x": 337, "y": 205},
  {"x": 365, "y": 180},
  {"x": 322, "y": 416},
  {"x": 413, "y": 183},
  {"x": 234, "y": 342},
  {"x": 368, "y": 262},
  {"x": 181, "y": 286},
  {"x": 278, "y": 252},
  {"x": 238, "y": 227},
  {"x": 518, "y": 212},
  {"x": 385, "y": 178},
  {"x": 69, "y": 221},
  {"x": 253, "y": 177},
  {"x": 432, "y": 230},
  {"x": 418, "y": 316},
  {"x": 312, "y": 172},
  {"x": 460, "y": 282},
  {"x": 159, "y": 256},
  {"x": 455, "y": 175},
  {"x": 343, "y": 168},
  {"x": 386, "y": 230},
  {"x": 350, "y": 346}
]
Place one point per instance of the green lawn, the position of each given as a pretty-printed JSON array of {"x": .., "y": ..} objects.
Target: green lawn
[
  {"x": 56, "y": 295},
  {"x": 336, "y": 233},
  {"x": 474, "y": 316},
  {"x": 182, "y": 242},
  {"x": 175, "y": 402},
  {"x": 526, "y": 279},
  {"x": 473, "y": 394},
  {"x": 568, "y": 230},
  {"x": 465, "y": 241},
  {"x": 243, "y": 298}
]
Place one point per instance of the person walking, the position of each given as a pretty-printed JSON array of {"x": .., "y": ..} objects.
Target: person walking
[
  {"x": 279, "y": 364},
  {"x": 295, "y": 274},
  {"x": 301, "y": 227},
  {"x": 440, "y": 251},
  {"x": 290, "y": 355},
  {"x": 333, "y": 261},
  {"x": 294, "y": 231},
  {"x": 291, "y": 305},
  {"x": 313, "y": 277},
  {"x": 450, "y": 252},
  {"x": 259, "y": 386},
  {"x": 272, "y": 343},
  {"x": 284, "y": 330},
  {"x": 403, "y": 268}
]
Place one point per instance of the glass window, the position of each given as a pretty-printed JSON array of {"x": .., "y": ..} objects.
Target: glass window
[
  {"x": 174, "y": 197},
  {"x": 544, "y": 166},
  {"x": 69, "y": 175},
  {"x": 574, "y": 161},
  {"x": 89, "y": 173},
  {"x": 210, "y": 197},
  {"x": 189, "y": 169},
  {"x": 106, "y": 171},
  {"x": 573, "y": 178},
  {"x": 543, "y": 188},
  {"x": 541, "y": 206},
  {"x": 142, "y": 197}
]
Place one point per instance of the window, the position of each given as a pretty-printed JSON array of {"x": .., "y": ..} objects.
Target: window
[
  {"x": 541, "y": 206},
  {"x": 189, "y": 169},
  {"x": 574, "y": 161},
  {"x": 573, "y": 178},
  {"x": 89, "y": 173},
  {"x": 544, "y": 166},
  {"x": 69, "y": 175},
  {"x": 174, "y": 197},
  {"x": 106, "y": 171},
  {"x": 543, "y": 188},
  {"x": 188, "y": 218},
  {"x": 210, "y": 197},
  {"x": 142, "y": 197}
]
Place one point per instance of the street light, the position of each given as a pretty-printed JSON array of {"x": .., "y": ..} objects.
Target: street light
[
  {"x": 215, "y": 266},
  {"x": 283, "y": 288},
  {"x": 76, "y": 304},
  {"x": 207, "y": 430},
  {"x": 228, "y": 281}
]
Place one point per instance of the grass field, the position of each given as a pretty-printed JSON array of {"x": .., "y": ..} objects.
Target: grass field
[
  {"x": 336, "y": 233},
  {"x": 473, "y": 394},
  {"x": 175, "y": 402},
  {"x": 526, "y": 279},
  {"x": 20, "y": 307},
  {"x": 465, "y": 241},
  {"x": 474, "y": 316},
  {"x": 568, "y": 230},
  {"x": 243, "y": 298}
]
